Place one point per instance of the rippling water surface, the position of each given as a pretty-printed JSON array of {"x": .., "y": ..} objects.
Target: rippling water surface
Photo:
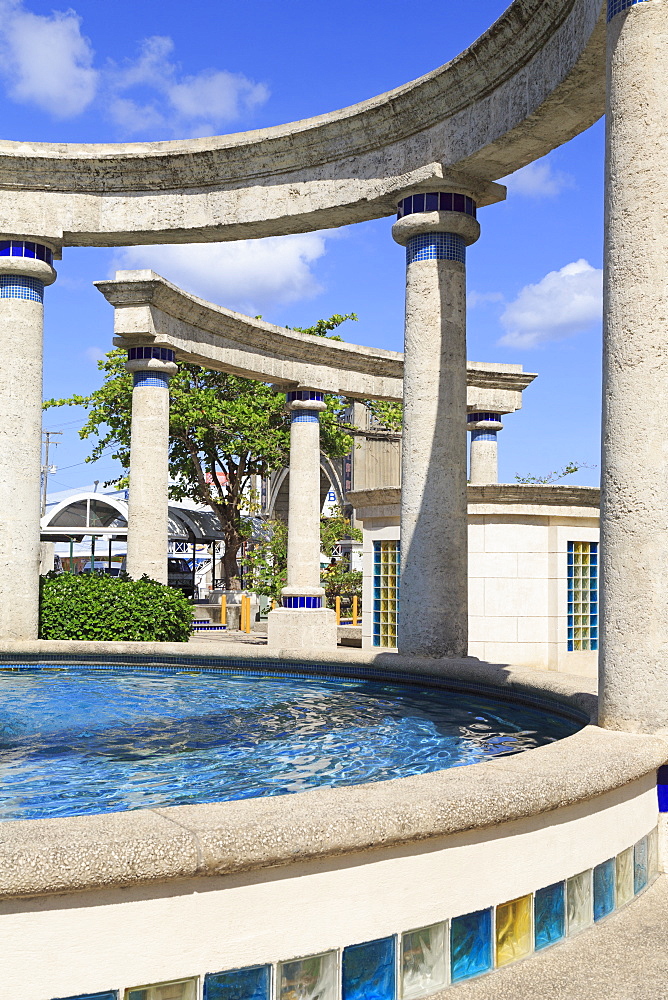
[{"x": 80, "y": 741}]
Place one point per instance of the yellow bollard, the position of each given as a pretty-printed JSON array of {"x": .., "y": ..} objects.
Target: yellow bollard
[
  {"x": 273, "y": 605},
  {"x": 355, "y": 610},
  {"x": 246, "y": 613},
  {"x": 337, "y": 604},
  {"x": 242, "y": 615},
  {"x": 223, "y": 610}
]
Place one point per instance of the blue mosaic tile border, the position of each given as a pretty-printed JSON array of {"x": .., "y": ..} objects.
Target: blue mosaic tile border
[
  {"x": 436, "y": 246},
  {"x": 419, "y": 962},
  {"x": 301, "y": 601},
  {"x": 483, "y": 436},
  {"x": 305, "y": 417},
  {"x": 617, "y": 6},
  {"x": 18, "y": 286},
  {"x": 120, "y": 662},
  {"x": 143, "y": 379}
]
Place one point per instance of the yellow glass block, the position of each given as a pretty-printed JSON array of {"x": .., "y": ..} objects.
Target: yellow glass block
[
  {"x": 184, "y": 989},
  {"x": 513, "y": 930}
]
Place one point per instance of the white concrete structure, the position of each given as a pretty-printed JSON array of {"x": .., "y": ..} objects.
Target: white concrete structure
[
  {"x": 303, "y": 621},
  {"x": 436, "y": 229},
  {"x": 23, "y": 276},
  {"x": 634, "y": 678},
  {"x": 518, "y": 576},
  {"x": 151, "y": 369}
]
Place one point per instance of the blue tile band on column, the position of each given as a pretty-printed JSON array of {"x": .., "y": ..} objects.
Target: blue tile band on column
[
  {"x": 26, "y": 248},
  {"x": 439, "y": 201},
  {"x": 483, "y": 435},
  {"x": 145, "y": 353},
  {"x": 144, "y": 379},
  {"x": 475, "y": 418},
  {"x": 253, "y": 983},
  {"x": 18, "y": 286},
  {"x": 617, "y": 6},
  {"x": 436, "y": 246},
  {"x": 368, "y": 971},
  {"x": 305, "y": 417},
  {"x": 549, "y": 915},
  {"x": 301, "y": 602},
  {"x": 662, "y": 788},
  {"x": 305, "y": 395}
]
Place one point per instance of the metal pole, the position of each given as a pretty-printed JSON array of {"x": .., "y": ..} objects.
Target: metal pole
[
  {"x": 194, "y": 564},
  {"x": 92, "y": 553},
  {"x": 71, "y": 570},
  {"x": 45, "y": 468},
  {"x": 109, "y": 559}
]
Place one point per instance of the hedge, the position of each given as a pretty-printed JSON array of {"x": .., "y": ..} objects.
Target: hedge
[{"x": 96, "y": 606}]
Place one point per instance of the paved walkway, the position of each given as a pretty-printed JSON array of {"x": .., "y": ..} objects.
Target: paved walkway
[
  {"x": 623, "y": 958},
  {"x": 231, "y": 635}
]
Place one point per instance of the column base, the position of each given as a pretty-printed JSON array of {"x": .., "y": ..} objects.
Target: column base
[{"x": 302, "y": 628}]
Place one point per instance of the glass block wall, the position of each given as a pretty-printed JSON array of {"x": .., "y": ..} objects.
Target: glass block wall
[
  {"x": 582, "y": 595},
  {"x": 385, "y": 592},
  {"x": 419, "y": 962}
]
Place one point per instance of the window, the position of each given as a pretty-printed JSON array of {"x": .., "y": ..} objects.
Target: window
[
  {"x": 385, "y": 592},
  {"x": 582, "y": 596}
]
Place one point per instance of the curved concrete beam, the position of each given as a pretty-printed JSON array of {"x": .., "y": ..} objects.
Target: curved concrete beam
[
  {"x": 150, "y": 310},
  {"x": 534, "y": 80}
]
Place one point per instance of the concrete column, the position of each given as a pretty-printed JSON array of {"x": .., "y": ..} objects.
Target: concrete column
[
  {"x": 634, "y": 514},
  {"x": 303, "y": 621},
  {"x": 433, "y": 618},
  {"x": 484, "y": 464},
  {"x": 25, "y": 268},
  {"x": 151, "y": 368}
]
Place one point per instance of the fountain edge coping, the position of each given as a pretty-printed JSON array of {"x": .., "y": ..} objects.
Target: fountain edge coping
[{"x": 77, "y": 853}]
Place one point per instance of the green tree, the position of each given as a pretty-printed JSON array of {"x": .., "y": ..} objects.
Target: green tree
[
  {"x": 223, "y": 430},
  {"x": 554, "y": 476}
]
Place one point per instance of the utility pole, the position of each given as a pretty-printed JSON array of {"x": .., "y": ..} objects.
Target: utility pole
[{"x": 46, "y": 468}]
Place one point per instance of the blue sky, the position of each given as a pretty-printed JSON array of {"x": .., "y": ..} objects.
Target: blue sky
[{"x": 131, "y": 71}]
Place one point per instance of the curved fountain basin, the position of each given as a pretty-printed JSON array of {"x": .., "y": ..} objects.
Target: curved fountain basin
[
  {"x": 199, "y": 892},
  {"x": 87, "y": 739}
]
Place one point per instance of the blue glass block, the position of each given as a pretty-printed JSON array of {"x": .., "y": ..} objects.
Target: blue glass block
[
  {"x": 29, "y": 249},
  {"x": 408, "y": 206},
  {"x": 458, "y": 203},
  {"x": 40, "y": 251},
  {"x": 106, "y": 995},
  {"x": 5, "y": 248},
  {"x": 17, "y": 248},
  {"x": 549, "y": 907},
  {"x": 431, "y": 203},
  {"x": 445, "y": 202},
  {"x": 253, "y": 983},
  {"x": 662, "y": 788},
  {"x": 368, "y": 971},
  {"x": 594, "y": 644},
  {"x": 418, "y": 203},
  {"x": 640, "y": 865},
  {"x": 470, "y": 207},
  {"x": 604, "y": 889},
  {"x": 470, "y": 945}
]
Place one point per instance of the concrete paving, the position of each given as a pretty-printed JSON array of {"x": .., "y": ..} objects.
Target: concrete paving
[{"x": 623, "y": 958}]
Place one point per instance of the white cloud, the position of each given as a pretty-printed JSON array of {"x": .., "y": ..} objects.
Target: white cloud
[
  {"x": 94, "y": 354},
  {"x": 538, "y": 180},
  {"x": 475, "y": 299},
  {"x": 181, "y": 105},
  {"x": 563, "y": 303},
  {"x": 250, "y": 276},
  {"x": 46, "y": 60}
]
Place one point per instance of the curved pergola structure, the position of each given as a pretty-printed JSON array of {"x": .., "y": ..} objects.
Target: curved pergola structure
[{"x": 531, "y": 82}]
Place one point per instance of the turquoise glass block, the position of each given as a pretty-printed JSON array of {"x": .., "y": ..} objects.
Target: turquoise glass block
[
  {"x": 369, "y": 971},
  {"x": 549, "y": 915},
  {"x": 105, "y": 995},
  {"x": 604, "y": 889},
  {"x": 470, "y": 945},
  {"x": 640, "y": 865},
  {"x": 252, "y": 983}
]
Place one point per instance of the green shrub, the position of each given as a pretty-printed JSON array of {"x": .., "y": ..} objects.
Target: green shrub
[{"x": 95, "y": 606}]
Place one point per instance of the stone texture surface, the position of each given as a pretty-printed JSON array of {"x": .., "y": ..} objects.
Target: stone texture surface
[
  {"x": 301, "y": 628},
  {"x": 634, "y": 515},
  {"x": 148, "y": 308},
  {"x": 434, "y": 580},
  {"x": 622, "y": 958},
  {"x": 530, "y": 83}
]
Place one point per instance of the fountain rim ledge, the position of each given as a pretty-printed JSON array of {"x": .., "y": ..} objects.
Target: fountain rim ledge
[{"x": 174, "y": 843}]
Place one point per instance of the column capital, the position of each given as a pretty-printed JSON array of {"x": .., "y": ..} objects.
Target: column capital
[
  {"x": 484, "y": 422},
  {"x": 305, "y": 400},
  {"x": 25, "y": 259},
  {"x": 151, "y": 360},
  {"x": 436, "y": 212}
]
